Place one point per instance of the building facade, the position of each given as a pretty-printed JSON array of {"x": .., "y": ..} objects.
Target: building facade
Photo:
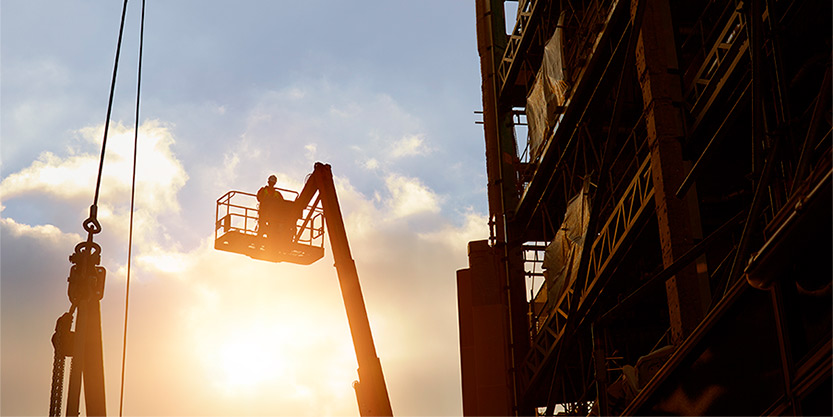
[{"x": 659, "y": 185}]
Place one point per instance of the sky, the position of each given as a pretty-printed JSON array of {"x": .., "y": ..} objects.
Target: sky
[{"x": 233, "y": 91}]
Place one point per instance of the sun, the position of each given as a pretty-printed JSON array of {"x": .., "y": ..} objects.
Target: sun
[
  {"x": 246, "y": 360},
  {"x": 248, "y": 363},
  {"x": 268, "y": 348}
]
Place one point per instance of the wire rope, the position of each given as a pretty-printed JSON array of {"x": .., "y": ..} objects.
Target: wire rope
[
  {"x": 86, "y": 253},
  {"x": 110, "y": 105},
  {"x": 132, "y": 205}
]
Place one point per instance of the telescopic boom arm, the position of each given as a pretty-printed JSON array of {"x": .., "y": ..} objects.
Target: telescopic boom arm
[{"x": 371, "y": 391}]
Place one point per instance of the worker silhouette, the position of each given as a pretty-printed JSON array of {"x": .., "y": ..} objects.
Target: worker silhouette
[{"x": 273, "y": 214}]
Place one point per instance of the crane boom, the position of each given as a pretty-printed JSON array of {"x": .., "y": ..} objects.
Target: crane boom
[
  {"x": 371, "y": 391},
  {"x": 234, "y": 232}
]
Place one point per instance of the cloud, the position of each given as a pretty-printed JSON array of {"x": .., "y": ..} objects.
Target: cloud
[
  {"x": 159, "y": 175},
  {"x": 408, "y": 146},
  {"x": 64, "y": 185},
  {"x": 217, "y": 333},
  {"x": 474, "y": 227},
  {"x": 197, "y": 315},
  {"x": 409, "y": 197},
  {"x": 50, "y": 174},
  {"x": 46, "y": 232},
  {"x": 344, "y": 125},
  {"x": 371, "y": 164}
]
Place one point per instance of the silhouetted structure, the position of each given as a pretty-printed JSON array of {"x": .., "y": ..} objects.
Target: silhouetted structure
[
  {"x": 317, "y": 204},
  {"x": 660, "y": 206}
]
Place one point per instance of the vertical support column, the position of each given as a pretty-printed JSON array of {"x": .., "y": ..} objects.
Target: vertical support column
[
  {"x": 600, "y": 368},
  {"x": 657, "y": 68},
  {"x": 784, "y": 346},
  {"x": 501, "y": 151},
  {"x": 497, "y": 117}
]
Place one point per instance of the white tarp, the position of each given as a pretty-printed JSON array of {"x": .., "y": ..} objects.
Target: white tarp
[
  {"x": 548, "y": 93},
  {"x": 563, "y": 254}
]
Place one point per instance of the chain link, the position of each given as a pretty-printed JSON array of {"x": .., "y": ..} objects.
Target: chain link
[
  {"x": 62, "y": 341},
  {"x": 57, "y": 395}
]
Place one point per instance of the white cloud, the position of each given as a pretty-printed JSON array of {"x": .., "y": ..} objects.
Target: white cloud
[
  {"x": 311, "y": 151},
  {"x": 201, "y": 318},
  {"x": 196, "y": 311},
  {"x": 50, "y": 174},
  {"x": 159, "y": 176},
  {"x": 409, "y": 197},
  {"x": 371, "y": 164},
  {"x": 63, "y": 186},
  {"x": 410, "y": 145},
  {"x": 343, "y": 125},
  {"x": 46, "y": 232},
  {"x": 474, "y": 227}
]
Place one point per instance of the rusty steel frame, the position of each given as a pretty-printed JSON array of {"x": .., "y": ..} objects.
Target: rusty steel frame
[
  {"x": 502, "y": 181},
  {"x": 591, "y": 84},
  {"x": 723, "y": 58},
  {"x": 527, "y": 20},
  {"x": 715, "y": 73},
  {"x": 631, "y": 209}
]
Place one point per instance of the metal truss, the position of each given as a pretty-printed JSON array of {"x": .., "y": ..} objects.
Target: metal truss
[
  {"x": 728, "y": 50},
  {"x": 520, "y": 37},
  {"x": 631, "y": 209}
]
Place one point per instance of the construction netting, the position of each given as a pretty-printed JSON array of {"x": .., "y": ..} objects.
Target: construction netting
[
  {"x": 562, "y": 256},
  {"x": 548, "y": 94}
]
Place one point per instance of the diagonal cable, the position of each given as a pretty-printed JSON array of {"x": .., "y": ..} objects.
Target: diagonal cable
[{"x": 132, "y": 204}]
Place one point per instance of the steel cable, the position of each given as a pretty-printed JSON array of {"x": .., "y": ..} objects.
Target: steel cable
[
  {"x": 132, "y": 205},
  {"x": 92, "y": 226},
  {"x": 109, "y": 105}
]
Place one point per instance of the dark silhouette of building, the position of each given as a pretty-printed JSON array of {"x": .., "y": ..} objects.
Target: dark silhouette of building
[{"x": 659, "y": 185}]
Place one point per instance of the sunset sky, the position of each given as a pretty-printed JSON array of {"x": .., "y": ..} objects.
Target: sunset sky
[{"x": 232, "y": 92}]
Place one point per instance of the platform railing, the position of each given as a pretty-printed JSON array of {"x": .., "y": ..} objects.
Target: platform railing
[{"x": 236, "y": 211}]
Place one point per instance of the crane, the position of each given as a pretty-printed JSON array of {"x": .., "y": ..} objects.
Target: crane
[{"x": 235, "y": 231}]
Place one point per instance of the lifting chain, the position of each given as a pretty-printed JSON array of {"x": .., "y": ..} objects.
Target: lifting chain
[
  {"x": 86, "y": 282},
  {"x": 63, "y": 342}
]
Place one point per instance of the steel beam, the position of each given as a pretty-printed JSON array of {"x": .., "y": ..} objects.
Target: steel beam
[
  {"x": 527, "y": 22},
  {"x": 658, "y": 73}
]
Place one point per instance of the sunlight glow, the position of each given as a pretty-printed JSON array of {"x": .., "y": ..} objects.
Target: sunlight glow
[
  {"x": 247, "y": 363},
  {"x": 256, "y": 346}
]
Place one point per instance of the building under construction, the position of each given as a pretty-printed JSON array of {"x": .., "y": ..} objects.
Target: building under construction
[{"x": 659, "y": 184}]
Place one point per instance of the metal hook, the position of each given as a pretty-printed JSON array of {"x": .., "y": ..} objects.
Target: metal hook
[{"x": 91, "y": 224}]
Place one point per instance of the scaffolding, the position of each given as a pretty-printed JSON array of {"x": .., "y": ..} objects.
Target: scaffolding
[{"x": 700, "y": 133}]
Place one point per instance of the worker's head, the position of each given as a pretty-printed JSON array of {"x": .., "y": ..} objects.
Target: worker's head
[{"x": 272, "y": 180}]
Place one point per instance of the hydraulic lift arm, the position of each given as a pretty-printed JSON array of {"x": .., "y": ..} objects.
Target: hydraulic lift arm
[
  {"x": 371, "y": 391},
  {"x": 235, "y": 232}
]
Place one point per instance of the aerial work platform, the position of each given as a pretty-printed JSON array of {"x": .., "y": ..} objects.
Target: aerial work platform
[
  {"x": 236, "y": 230},
  {"x": 298, "y": 228}
]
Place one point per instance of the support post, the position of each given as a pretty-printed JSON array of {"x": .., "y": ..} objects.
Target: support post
[
  {"x": 658, "y": 73},
  {"x": 502, "y": 187},
  {"x": 600, "y": 368}
]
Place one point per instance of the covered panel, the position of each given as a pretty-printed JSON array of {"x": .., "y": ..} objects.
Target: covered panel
[{"x": 548, "y": 94}]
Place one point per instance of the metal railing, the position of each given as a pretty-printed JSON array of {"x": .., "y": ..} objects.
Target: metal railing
[{"x": 237, "y": 211}]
